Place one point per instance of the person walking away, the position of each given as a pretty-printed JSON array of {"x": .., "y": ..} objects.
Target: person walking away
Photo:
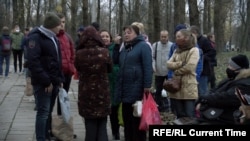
[
  {"x": 44, "y": 57},
  {"x": 160, "y": 53},
  {"x": 115, "y": 127},
  {"x": 5, "y": 52},
  {"x": 93, "y": 64},
  {"x": 17, "y": 51}
]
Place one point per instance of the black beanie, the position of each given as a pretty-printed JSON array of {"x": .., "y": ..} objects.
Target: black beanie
[
  {"x": 240, "y": 60},
  {"x": 51, "y": 20},
  {"x": 179, "y": 27}
]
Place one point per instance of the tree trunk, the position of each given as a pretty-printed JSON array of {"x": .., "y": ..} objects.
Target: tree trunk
[
  {"x": 194, "y": 17},
  {"x": 73, "y": 24},
  {"x": 28, "y": 18},
  {"x": 220, "y": 14},
  {"x": 179, "y": 12},
  {"x": 38, "y": 21},
  {"x": 15, "y": 12},
  {"x": 120, "y": 15},
  {"x": 21, "y": 14},
  {"x": 98, "y": 11},
  {"x": 157, "y": 21},
  {"x": 205, "y": 17},
  {"x": 150, "y": 21},
  {"x": 85, "y": 6}
]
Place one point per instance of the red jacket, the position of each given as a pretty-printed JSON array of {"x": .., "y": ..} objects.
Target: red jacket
[{"x": 67, "y": 51}]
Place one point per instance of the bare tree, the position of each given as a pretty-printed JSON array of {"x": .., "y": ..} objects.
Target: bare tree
[
  {"x": 221, "y": 8},
  {"x": 120, "y": 15},
  {"x": 98, "y": 11},
  {"x": 85, "y": 4},
  {"x": 21, "y": 14},
  {"x": 150, "y": 21},
  {"x": 73, "y": 24},
  {"x": 28, "y": 18},
  {"x": 157, "y": 21},
  {"x": 193, "y": 13}
]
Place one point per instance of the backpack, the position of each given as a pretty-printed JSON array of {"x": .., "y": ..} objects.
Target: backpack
[{"x": 6, "y": 44}]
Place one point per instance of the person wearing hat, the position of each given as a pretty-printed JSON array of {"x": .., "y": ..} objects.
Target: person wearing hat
[
  {"x": 218, "y": 106},
  {"x": 5, "y": 51},
  {"x": 44, "y": 63}
]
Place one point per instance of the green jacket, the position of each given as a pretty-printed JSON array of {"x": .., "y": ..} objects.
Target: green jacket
[{"x": 17, "y": 38}]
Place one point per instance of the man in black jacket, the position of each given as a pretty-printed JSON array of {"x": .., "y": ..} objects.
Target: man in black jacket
[
  {"x": 218, "y": 106},
  {"x": 44, "y": 63}
]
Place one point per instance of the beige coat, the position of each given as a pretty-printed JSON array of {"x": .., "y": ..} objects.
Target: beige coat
[{"x": 189, "y": 88}]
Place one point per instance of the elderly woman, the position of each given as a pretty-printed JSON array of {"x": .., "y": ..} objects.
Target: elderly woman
[
  {"x": 134, "y": 79},
  {"x": 93, "y": 63}
]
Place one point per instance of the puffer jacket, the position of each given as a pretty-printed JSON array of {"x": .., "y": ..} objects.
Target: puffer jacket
[
  {"x": 93, "y": 64},
  {"x": 135, "y": 71}
]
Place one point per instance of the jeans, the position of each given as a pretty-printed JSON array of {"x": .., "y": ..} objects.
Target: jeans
[
  {"x": 184, "y": 108},
  {"x": 7, "y": 64},
  {"x": 45, "y": 103},
  {"x": 203, "y": 85}
]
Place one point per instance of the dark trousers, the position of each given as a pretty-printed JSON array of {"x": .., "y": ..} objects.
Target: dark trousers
[
  {"x": 131, "y": 124},
  {"x": 163, "y": 104},
  {"x": 18, "y": 54},
  {"x": 115, "y": 127},
  {"x": 66, "y": 86},
  {"x": 96, "y": 129},
  {"x": 212, "y": 78}
]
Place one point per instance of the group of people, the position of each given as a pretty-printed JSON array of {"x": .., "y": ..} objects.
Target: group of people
[{"x": 119, "y": 71}]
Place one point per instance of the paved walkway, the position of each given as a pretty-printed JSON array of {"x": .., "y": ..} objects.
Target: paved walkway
[{"x": 17, "y": 115}]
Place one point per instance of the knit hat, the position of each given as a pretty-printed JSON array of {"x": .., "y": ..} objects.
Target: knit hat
[
  {"x": 5, "y": 30},
  {"x": 51, "y": 20},
  {"x": 239, "y": 61},
  {"x": 179, "y": 27},
  {"x": 81, "y": 28}
]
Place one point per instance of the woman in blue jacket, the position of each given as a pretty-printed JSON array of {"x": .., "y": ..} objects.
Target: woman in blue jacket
[{"x": 134, "y": 79}]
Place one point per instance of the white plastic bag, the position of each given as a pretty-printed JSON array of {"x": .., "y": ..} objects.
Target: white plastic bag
[
  {"x": 65, "y": 104},
  {"x": 137, "y": 109}
]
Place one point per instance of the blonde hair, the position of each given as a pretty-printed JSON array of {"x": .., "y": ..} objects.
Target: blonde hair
[{"x": 140, "y": 26}]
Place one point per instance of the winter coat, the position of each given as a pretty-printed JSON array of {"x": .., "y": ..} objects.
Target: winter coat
[
  {"x": 223, "y": 96},
  {"x": 135, "y": 71},
  {"x": 68, "y": 52},
  {"x": 199, "y": 67},
  {"x": 93, "y": 64},
  {"x": 5, "y": 36},
  {"x": 184, "y": 64},
  {"x": 17, "y": 38},
  {"x": 44, "y": 57}
]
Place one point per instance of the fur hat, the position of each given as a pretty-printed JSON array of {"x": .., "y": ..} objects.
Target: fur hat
[
  {"x": 239, "y": 61},
  {"x": 179, "y": 27},
  {"x": 51, "y": 20}
]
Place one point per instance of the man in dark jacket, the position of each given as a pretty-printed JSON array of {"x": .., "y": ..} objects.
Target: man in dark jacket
[
  {"x": 208, "y": 56},
  {"x": 218, "y": 106},
  {"x": 44, "y": 63}
]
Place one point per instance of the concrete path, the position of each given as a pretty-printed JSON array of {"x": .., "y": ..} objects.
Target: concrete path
[{"x": 17, "y": 115}]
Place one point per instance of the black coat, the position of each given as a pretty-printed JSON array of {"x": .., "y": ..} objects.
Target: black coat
[
  {"x": 44, "y": 59},
  {"x": 223, "y": 96}
]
